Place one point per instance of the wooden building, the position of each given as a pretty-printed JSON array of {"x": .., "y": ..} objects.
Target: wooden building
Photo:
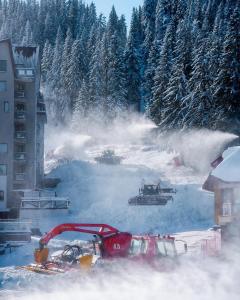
[{"x": 224, "y": 182}]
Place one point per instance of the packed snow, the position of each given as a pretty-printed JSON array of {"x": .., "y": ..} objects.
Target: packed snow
[{"x": 100, "y": 193}]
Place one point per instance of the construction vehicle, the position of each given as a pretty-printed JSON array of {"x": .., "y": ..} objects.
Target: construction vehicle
[
  {"x": 108, "y": 157},
  {"x": 108, "y": 243},
  {"x": 152, "y": 194}
]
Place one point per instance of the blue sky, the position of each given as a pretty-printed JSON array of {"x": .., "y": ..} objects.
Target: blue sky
[{"x": 122, "y": 6}]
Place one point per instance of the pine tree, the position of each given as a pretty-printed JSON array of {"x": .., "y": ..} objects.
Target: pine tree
[
  {"x": 55, "y": 71},
  {"x": 77, "y": 69},
  {"x": 47, "y": 59},
  {"x": 66, "y": 58},
  {"x": 161, "y": 77},
  {"x": 27, "y": 39},
  {"x": 227, "y": 82}
]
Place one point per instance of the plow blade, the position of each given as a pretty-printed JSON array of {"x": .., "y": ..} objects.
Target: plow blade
[{"x": 150, "y": 200}]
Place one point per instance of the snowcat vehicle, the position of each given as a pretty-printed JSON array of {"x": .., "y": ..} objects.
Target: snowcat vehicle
[
  {"x": 108, "y": 244},
  {"x": 152, "y": 194},
  {"x": 108, "y": 157}
]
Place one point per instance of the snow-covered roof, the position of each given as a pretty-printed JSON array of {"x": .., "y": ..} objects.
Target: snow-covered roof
[{"x": 229, "y": 169}]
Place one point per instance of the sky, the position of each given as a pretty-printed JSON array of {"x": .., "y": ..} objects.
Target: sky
[{"x": 122, "y": 7}]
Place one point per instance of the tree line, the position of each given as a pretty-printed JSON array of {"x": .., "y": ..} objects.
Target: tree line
[{"x": 179, "y": 62}]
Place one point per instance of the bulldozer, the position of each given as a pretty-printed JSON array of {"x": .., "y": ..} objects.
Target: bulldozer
[
  {"x": 152, "y": 194},
  {"x": 108, "y": 157}
]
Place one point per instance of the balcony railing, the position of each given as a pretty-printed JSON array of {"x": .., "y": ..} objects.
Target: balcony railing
[
  {"x": 41, "y": 108},
  {"x": 14, "y": 226},
  {"x": 25, "y": 72},
  {"x": 21, "y": 135},
  {"x": 20, "y": 94},
  {"x": 20, "y": 156},
  {"x": 20, "y": 176},
  {"x": 20, "y": 115}
]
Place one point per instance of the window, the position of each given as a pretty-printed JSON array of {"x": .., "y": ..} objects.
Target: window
[
  {"x": 161, "y": 248},
  {"x": 29, "y": 72},
  {"x": 137, "y": 247},
  {"x": 3, "y": 148},
  {"x": 170, "y": 249},
  {"x": 20, "y": 87},
  {"x": 3, "y": 86},
  {"x": 21, "y": 72},
  {"x": 3, "y": 170},
  {"x": 20, "y": 107},
  {"x": 3, "y": 65},
  {"x": 6, "y": 106},
  {"x": 1, "y": 195},
  {"x": 20, "y": 148}
]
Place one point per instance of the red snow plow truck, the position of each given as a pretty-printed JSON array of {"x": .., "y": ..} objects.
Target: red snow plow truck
[{"x": 108, "y": 244}]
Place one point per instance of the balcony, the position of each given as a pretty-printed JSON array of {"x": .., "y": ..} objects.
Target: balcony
[
  {"x": 20, "y": 135},
  {"x": 20, "y": 115},
  {"x": 20, "y": 156},
  {"x": 25, "y": 74},
  {"x": 20, "y": 94},
  {"x": 41, "y": 108},
  {"x": 20, "y": 176}
]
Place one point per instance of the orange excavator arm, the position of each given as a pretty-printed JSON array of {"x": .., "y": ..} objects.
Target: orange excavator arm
[{"x": 102, "y": 230}]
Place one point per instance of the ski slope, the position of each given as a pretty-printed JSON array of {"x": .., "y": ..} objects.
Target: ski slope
[{"x": 100, "y": 193}]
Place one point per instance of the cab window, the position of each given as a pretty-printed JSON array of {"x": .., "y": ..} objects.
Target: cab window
[
  {"x": 161, "y": 248},
  {"x": 170, "y": 249},
  {"x": 138, "y": 247}
]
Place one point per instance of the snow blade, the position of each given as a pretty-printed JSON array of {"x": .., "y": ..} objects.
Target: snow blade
[{"x": 150, "y": 200}]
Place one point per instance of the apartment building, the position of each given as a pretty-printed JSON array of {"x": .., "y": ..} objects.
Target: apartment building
[{"x": 22, "y": 119}]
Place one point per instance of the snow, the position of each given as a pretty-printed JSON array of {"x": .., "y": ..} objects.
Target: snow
[
  {"x": 100, "y": 193},
  {"x": 228, "y": 169}
]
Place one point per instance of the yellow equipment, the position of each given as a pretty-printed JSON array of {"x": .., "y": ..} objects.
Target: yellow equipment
[{"x": 41, "y": 255}]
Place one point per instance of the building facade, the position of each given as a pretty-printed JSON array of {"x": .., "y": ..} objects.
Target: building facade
[
  {"x": 224, "y": 182},
  {"x": 22, "y": 119}
]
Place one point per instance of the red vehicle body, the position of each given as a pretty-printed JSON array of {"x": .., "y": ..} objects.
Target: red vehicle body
[{"x": 109, "y": 243}]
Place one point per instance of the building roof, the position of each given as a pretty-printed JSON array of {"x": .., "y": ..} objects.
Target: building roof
[
  {"x": 226, "y": 174},
  {"x": 23, "y": 55},
  {"x": 228, "y": 169}
]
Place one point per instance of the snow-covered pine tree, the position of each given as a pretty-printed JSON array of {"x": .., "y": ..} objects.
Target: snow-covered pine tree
[
  {"x": 133, "y": 61},
  {"x": 162, "y": 74},
  {"x": 49, "y": 28},
  {"x": 27, "y": 39},
  {"x": 81, "y": 106},
  {"x": 66, "y": 58},
  {"x": 54, "y": 75},
  {"x": 174, "y": 109},
  {"x": 47, "y": 59},
  {"x": 227, "y": 83},
  {"x": 199, "y": 101},
  {"x": 148, "y": 19},
  {"x": 76, "y": 70}
]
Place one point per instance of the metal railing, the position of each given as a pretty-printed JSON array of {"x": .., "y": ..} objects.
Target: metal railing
[
  {"x": 20, "y": 115},
  {"x": 41, "y": 108},
  {"x": 20, "y": 176},
  {"x": 20, "y": 156},
  {"x": 20, "y": 94},
  {"x": 20, "y": 134},
  {"x": 14, "y": 226},
  {"x": 45, "y": 203}
]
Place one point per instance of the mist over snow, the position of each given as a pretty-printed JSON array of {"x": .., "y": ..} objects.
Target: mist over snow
[{"x": 100, "y": 193}]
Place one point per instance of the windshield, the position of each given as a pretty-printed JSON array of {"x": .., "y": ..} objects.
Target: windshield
[{"x": 138, "y": 247}]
